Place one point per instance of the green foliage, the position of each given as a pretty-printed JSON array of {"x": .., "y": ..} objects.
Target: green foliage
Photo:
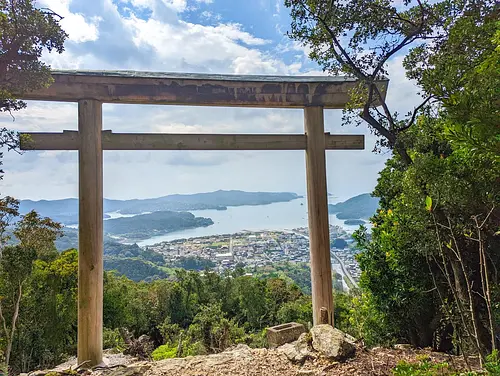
[
  {"x": 38, "y": 233},
  {"x": 423, "y": 263},
  {"x": 25, "y": 32},
  {"x": 299, "y": 310},
  {"x": 112, "y": 339},
  {"x": 192, "y": 314},
  {"x": 257, "y": 340},
  {"x": 194, "y": 263},
  {"x": 356, "y": 314},
  {"x": 135, "y": 268},
  {"x": 298, "y": 273},
  {"x": 9, "y": 209},
  {"x": 360, "y": 37},
  {"x": 339, "y": 243},
  {"x": 164, "y": 352},
  {"x": 425, "y": 368},
  {"x": 493, "y": 364},
  {"x": 211, "y": 327}
]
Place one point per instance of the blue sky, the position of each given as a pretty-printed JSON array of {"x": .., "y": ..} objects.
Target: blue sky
[{"x": 213, "y": 36}]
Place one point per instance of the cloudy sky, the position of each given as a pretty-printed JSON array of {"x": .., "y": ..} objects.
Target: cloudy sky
[{"x": 204, "y": 36}]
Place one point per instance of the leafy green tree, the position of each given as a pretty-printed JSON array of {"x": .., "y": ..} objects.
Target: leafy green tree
[
  {"x": 299, "y": 310},
  {"x": 25, "y": 33},
  {"x": 38, "y": 233},
  {"x": 15, "y": 268},
  {"x": 279, "y": 292},
  {"x": 251, "y": 293},
  {"x": 35, "y": 235},
  {"x": 47, "y": 327},
  {"x": 433, "y": 252},
  {"x": 9, "y": 209},
  {"x": 359, "y": 37},
  {"x": 214, "y": 329}
]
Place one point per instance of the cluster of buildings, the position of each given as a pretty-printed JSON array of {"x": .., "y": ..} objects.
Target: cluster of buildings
[{"x": 256, "y": 249}]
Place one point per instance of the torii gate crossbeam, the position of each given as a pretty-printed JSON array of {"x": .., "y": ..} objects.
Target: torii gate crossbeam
[{"x": 92, "y": 88}]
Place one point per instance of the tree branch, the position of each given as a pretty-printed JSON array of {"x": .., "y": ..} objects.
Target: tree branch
[
  {"x": 414, "y": 115},
  {"x": 410, "y": 38},
  {"x": 384, "y": 105},
  {"x": 346, "y": 58}
]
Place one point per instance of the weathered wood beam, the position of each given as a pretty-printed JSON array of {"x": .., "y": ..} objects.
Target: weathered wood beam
[
  {"x": 319, "y": 230},
  {"x": 199, "y": 89},
  {"x": 69, "y": 140},
  {"x": 90, "y": 234}
]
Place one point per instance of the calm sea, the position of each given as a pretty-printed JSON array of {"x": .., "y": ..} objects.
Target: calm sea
[{"x": 277, "y": 216}]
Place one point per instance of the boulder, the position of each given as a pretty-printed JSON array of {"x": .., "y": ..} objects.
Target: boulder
[
  {"x": 332, "y": 343},
  {"x": 299, "y": 350}
]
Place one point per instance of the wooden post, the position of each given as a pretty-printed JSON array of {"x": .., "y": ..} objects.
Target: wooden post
[
  {"x": 317, "y": 202},
  {"x": 90, "y": 234}
]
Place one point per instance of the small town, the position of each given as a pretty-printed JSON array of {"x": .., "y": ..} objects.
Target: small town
[{"x": 254, "y": 249}]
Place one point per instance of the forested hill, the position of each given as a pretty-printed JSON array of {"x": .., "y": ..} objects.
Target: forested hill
[
  {"x": 357, "y": 207},
  {"x": 66, "y": 210}
]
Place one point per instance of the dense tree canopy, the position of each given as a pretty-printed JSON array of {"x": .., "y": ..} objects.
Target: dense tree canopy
[{"x": 431, "y": 262}]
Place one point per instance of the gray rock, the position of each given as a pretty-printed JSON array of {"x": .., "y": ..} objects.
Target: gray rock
[
  {"x": 298, "y": 351},
  {"x": 332, "y": 343},
  {"x": 402, "y": 346}
]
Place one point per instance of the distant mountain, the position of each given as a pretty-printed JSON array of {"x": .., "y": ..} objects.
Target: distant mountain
[
  {"x": 358, "y": 207},
  {"x": 66, "y": 210}
]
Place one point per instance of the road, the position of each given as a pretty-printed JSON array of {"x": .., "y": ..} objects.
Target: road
[{"x": 345, "y": 272}]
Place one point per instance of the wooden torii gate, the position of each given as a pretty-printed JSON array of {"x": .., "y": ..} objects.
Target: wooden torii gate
[{"x": 90, "y": 89}]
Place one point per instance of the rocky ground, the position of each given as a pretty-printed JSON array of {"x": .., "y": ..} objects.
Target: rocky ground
[
  {"x": 243, "y": 361},
  {"x": 323, "y": 352}
]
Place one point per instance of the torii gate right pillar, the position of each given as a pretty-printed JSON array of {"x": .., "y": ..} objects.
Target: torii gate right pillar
[{"x": 319, "y": 229}]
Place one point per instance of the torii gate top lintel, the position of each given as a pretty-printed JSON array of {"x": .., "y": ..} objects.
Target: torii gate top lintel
[
  {"x": 136, "y": 87},
  {"x": 93, "y": 88}
]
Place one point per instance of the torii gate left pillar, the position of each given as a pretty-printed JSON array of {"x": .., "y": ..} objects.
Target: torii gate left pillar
[{"x": 90, "y": 232}]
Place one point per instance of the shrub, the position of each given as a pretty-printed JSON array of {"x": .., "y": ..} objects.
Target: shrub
[
  {"x": 164, "y": 352},
  {"x": 256, "y": 340},
  {"x": 423, "y": 368},
  {"x": 493, "y": 364},
  {"x": 112, "y": 339}
]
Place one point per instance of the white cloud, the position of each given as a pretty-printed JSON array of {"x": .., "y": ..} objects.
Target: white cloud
[
  {"x": 164, "y": 41},
  {"x": 79, "y": 28},
  {"x": 211, "y": 16},
  {"x": 178, "y": 5},
  {"x": 197, "y": 44},
  {"x": 402, "y": 93}
]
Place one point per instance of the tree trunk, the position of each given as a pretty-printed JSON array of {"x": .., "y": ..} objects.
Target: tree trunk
[{"x": 10, "y": 338}]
